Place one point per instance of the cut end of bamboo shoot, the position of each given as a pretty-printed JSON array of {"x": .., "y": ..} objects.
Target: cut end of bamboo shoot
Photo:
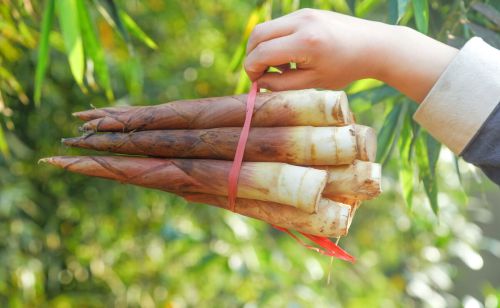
[
  {"x": 366, "y": 140},
  {"x": 337, "y": 107},
  {"x": 351, "y": 202},
  {"x": 360, "y": 180}
]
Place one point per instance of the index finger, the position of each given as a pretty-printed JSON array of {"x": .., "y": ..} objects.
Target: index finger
[
  {"x": 276, "y": 52},
  {"x": 281, "y": 26}
]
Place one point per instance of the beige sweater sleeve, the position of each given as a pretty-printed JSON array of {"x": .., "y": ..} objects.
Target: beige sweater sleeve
[{"x": 463, "y": 97}]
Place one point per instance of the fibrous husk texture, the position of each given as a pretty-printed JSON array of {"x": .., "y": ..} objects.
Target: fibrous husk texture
[{"x": 307, "y": 165}]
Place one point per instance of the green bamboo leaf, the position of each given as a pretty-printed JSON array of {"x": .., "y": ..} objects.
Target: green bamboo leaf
[
  {"x": 363, "y": 85},
  {"x": 389, "y": 132},
  {"x": 457, "y": 169},
  {"x": 13, "y": 84},
  {"x": 375, "y": 95},
  {"x": 427, "y": 153},
  {"x": 287, "y": 6},
  {"x": 26, "y": 35},
  {"x": 239, "y": 54},
  {"x": 352, "y": 6},
  {"x": 365, "y": 7},
  {"x": 490, "y": 37},
  {"x": 397, "y": 9},
  {"x": 415, "y": 127},
  {"x": 137, "y": 31},
  {"x": 488, "y": 11},
  {"x": 416, "y": 134},
  {"x": 93, "y": 48},
  {"x": 9, "y": 51},
  {"x": 421, "y": 12},
  {"x": 406, "y": 174},
  {"x": 4, "y": 147},
  {"x": 43, "y": 50},
  {"x": 133, "y": 74},
  {"x": 431, "y": 189},
  {"x": 110, "y": 12},
  {"x": 405, "y": 166},
  {"x": 243, "y": 83},
  {"x": 70, "y": 29},
  {"x": 433, "y": 151}
]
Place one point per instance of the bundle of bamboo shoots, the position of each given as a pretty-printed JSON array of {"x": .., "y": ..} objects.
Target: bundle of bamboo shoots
[{"x": 307, "y": 165}]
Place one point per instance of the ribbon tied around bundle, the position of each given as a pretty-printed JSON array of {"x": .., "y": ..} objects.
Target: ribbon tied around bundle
[{"x": 326, "y": 246}]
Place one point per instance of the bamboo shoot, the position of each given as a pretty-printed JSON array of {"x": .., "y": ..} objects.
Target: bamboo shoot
[
  {"x": 303, "y": 145},
  {"x": 359, "y": 180},
  {"x": 289, "y": 108},
  {"x": 296, "y": 186},
  {"x": 332, "y": 219}
]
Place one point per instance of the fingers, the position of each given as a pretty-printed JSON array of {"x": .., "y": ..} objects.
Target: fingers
[
  {"x": 289, "y": 80},
  {"x": 276, "y": 52},
  {"x": 269, "y": 30}
]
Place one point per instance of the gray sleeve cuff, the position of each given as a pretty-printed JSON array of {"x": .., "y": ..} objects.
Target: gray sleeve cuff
[{"x": 463, "y": 97}]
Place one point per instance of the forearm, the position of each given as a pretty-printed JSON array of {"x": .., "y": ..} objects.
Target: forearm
[{"x": 411, "y": 62}]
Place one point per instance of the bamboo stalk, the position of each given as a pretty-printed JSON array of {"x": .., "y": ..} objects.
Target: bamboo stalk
[
  {"x": 296, "y": 186},
  {"x": 289, "y": 108},
  {"x": 303, "y": 145},
  {"x": 360, "y": 180},
  {"x": 332, "y": 219}
]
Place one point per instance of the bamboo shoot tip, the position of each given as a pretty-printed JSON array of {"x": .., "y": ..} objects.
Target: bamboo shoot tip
[
  {"x": 59, "y": 161},
  {"x": 45, "y": 160},
  {"x": 87, "y": 115}
]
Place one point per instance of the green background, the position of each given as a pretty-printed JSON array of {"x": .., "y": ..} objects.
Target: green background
[{"x": 70, "y": 240}]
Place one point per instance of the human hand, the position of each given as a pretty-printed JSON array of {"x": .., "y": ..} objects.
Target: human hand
[{"x": 332, "y": 50}]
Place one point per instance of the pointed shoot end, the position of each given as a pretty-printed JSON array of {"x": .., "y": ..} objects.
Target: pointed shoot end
[{"x": 45, "y": 160}]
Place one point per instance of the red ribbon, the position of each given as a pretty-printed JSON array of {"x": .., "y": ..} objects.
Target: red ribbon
[
  {"x": 234, "y": 174},
  {"x": 328, "y": 247}
]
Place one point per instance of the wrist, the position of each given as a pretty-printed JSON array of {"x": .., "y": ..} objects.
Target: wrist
[
  {"x": 384, "y": 48},
  {"x": 412, "y": 62}
]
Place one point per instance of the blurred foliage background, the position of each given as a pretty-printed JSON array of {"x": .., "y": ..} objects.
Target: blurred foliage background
[{"x": 67, "y": 240}]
